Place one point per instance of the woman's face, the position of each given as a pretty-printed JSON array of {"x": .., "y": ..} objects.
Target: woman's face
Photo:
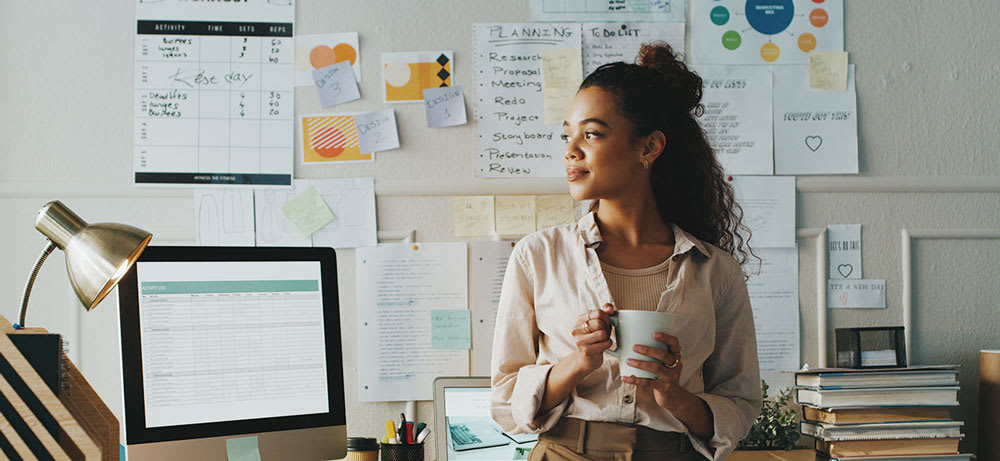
[{"x": 603, "y": 157}]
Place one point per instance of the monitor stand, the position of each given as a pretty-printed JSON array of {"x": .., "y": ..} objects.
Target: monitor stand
[{"x": 319, "y": 443}]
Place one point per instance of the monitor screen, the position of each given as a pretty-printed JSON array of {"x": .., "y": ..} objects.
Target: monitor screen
[{"x": 229, "y": 342}]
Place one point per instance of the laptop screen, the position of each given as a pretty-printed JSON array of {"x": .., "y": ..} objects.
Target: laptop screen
[{"x": 472, "y": 434}]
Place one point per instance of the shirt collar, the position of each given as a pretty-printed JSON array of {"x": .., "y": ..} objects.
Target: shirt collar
[{"x": 683, "y": 241}]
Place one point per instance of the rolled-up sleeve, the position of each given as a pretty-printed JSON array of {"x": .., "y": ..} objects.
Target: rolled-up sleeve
[
  {"x": 732, "y": 375},
  {"x": 517, "y": 378}
]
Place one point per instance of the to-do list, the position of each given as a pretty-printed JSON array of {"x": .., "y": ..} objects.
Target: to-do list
[{"x": 214, "y": 93}]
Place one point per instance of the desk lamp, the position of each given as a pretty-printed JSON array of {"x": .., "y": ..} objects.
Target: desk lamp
[{"x": 60, "y": 416}]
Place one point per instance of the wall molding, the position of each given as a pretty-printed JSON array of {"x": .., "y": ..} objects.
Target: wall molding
[
  {"x": 907, "y": 237},
  {"x": 539, "y": 186},
  {"x": 819, "y": 235}
]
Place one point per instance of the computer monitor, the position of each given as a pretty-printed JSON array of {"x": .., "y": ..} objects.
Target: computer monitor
[
  {"x": 464, "y": 429},
  {"x": 220, "y": 343}
]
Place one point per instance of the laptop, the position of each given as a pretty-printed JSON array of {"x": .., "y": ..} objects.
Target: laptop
[{"x": 465, "y": 430}]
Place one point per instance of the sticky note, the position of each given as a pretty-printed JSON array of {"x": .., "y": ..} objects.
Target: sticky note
[
  {"x": 515, "y": 214},
  {"x": 828, "y": 70},
  {"x": 242, "y": 449},
  {"x": 553, "y": 210},
  {"x": 377, "y": 130},
  {"x": 444, "y": 106},
  {"x": 451, "y": 329},
  {"x": 335, "y": 84},
  {"x": 562, "y": 73},
  {"x": 307, "y": 212},
  {"x": 474, "y": 216},
  {"x": 863, "y": 293},
  {"x": 844, "y": 244}
]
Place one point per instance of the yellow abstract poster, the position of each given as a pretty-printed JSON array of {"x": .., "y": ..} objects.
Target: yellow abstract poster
[
  {"x": 405, "y": 75},
  {"x": 331, "y": 138}
]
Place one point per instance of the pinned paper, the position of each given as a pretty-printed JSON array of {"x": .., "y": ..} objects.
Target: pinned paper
[
  {"x": 844, "y": 241},
  {"x": 553, "y": 210},
  {"x": 828, "y": 70},
  {"x": 242, "y": 449},
  {"x": 335, "y": 84},
  {"x": 562, "y": 73},
  {"x": 444, "y": 106},
  {"x": 863, "y": 294},
  {"x": 451, "y": 329},
  {"x": 331, "y": 138},
  {"x": 474, "y": 216},
  {"x": 316, "y": 51},
  {"x": 308, "y": 212},
  {"x": 406, "y": 75},
  {"x": 377, "y": 130},
  {"x": 515, "y": 214}
]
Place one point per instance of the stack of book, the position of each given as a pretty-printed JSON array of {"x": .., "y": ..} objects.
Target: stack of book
[{"x": 881, "y": 414}]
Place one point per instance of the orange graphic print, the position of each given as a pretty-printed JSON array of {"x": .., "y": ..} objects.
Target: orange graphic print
[{"x": 331, "y": 138}]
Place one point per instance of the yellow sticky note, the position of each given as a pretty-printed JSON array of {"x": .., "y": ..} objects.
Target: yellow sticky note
[
  {"x": 473, "y": 215},
  {"x": 553, "y": 210},
  {"x": 307, "y": 212},
  {"x": 562, "y": 73},
  {"x": 828, "y": 70},
  {"x": 515, "y": 214}
]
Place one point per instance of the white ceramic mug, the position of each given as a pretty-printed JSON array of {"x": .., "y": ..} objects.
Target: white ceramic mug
[{"x": 637, "y": 327}]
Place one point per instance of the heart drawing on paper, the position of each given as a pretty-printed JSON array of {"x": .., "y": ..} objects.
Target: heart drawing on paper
[
  {"x": 813, "y": 142},
  {"x": 843, "y": 298},
  {"x": 845, "y": 270}
]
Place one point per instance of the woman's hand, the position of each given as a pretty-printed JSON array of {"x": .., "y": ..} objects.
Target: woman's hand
[
  {"x": 592, "y": 335},
  {"x": 668, "y": 369}
]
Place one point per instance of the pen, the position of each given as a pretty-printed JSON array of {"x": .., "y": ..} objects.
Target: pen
[
  {"x": 410, "y": 436},
  {"x": 402, "y": 428},
  {"x": 423, "y": 434},
  {"x": 420, "y": 428}
]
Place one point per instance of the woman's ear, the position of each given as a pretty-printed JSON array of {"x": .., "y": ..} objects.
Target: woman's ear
[{"x": 655, "y": 143}]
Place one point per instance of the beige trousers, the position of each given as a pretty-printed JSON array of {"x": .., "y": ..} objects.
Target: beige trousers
[{"x": 578, "y": 440}]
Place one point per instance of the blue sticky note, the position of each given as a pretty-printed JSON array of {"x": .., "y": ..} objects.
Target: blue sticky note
[
  {"x": 335, "y": 84},
  {"x": 445, "y": 106},
  {"x": 451, "y": 329},
  {"x": 242, "y": 449}
]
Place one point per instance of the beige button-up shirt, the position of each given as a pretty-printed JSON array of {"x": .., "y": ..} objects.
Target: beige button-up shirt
[{"x": 554, "y": 275}]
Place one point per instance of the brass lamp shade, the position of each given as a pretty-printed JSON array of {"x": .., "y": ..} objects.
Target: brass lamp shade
[{"x": 97, "y": 255}]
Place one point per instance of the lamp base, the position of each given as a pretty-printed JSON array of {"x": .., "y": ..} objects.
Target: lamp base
[{"x": 71, "y": 422}]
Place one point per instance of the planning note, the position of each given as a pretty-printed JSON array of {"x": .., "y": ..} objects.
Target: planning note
[
  {"x": 512, "y": 138},
  {"x": 774, "y": 297},
  {"x": 553, "y": 210},
  {"x": 828, "y": 70},
  {"x": 351, "y": 200},
  {"x": 335, "y": 84},
  {"x": 844, "y": 241},
  {"x": 474, "y": 215},
  {"x": 486, "y": 272},
  {"x": 246, "y": 345},
  {"x": 377, "y": 130},
  {"x": 450, "y": 329},
  {"x": 214, "y": 98},
  {"x": 737, "y": 117},
  {"x": 444, "y": 106},
  {"x": 607, "y": 10},
  {"x": 605, "y": 42},
  {"x": 562, "y": 73},
  {"x": 768, "y": 209},
  {"x": 515, "y": 214},
  {"x": 398, "y": 286},
  {"x": 815, "y": 131},
  {"x": 307, "y": 212},
  {"x": 224, "y": 217}
]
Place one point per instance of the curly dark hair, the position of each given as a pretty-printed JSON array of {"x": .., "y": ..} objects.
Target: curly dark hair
[{"x": 659, "y": 92}]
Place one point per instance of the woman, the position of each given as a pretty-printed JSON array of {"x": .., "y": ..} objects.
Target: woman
[{"x": 660, "y": 236}]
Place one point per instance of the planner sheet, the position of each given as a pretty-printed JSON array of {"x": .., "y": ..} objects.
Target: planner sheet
[{"x": 214, "y": 100}]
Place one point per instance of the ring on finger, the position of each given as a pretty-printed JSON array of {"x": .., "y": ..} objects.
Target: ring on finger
[
  {"x": 677, "y": 360},
  {"x": 586, "y": 327}
]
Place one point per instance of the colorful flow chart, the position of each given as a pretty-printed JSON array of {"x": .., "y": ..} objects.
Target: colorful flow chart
[{"x": 764, "y": 31}]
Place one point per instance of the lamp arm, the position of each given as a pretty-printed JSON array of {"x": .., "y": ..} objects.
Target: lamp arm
[{"x": 31, "y": 281}]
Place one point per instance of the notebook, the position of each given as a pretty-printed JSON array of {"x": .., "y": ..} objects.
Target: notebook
[
  {"x": 883, "y": 431},
  {"x": 876, "y": 415},
  {"x": 887, "y": 396}
]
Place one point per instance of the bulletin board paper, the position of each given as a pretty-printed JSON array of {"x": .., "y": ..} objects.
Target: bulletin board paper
[
  {"x": 607, "y": 10},
  {"x": 737, "y": 117},
  {"x": 774, "y": 297},
  {"x": 605, "y": 42}
]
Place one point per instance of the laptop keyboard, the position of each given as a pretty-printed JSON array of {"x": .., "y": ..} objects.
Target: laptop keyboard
[{"x": 463, "y": 436}]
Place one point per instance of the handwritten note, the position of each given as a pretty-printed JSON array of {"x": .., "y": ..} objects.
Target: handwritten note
[
  {"x": 844, "y": 241},
  {"x": 512, "y": 137},
  {"x": 515, "y": 214},
  {"x": 815, "y": 131},
  {"x": 768, "y": 209},
  {"x": 474, "y": 216},
  {"x": 605, "y": 42},
  {"x": 377, "y": 130},
  {"x": 444, "y": 107},
  {"x": 486, "y": 272},
  {"x": 307, "y": 212},
  {"x": 737, "y": 117},
  {"x": 562, "y": 71},
  {"x": 451, "y": 329},
  {"x": 862, "y": 294},
  {"x": 335, "y": 84},
  {"x": 828, "y": 70},
  {"x": 553, "y": 210},
  {"x": 242, "y": 449}
]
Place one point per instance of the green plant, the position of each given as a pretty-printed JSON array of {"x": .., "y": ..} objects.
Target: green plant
[{"x": 776, "y": 427}]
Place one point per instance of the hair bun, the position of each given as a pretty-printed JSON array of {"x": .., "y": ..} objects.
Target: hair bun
[{"x": 685, "y": 85}]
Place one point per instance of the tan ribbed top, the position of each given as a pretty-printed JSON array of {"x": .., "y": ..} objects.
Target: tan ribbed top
[{"x": 636, "y": 289}]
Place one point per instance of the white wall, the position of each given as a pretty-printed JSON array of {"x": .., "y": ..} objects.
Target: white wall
[{"x": 927, "y": 76}]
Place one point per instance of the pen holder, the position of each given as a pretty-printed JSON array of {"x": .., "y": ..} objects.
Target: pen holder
[{"x": 402, "y": 452}]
